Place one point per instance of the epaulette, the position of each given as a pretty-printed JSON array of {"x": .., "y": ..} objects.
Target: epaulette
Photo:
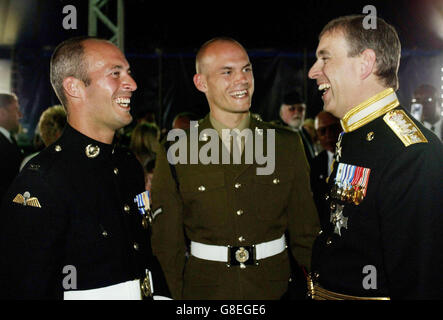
[{"x": 403, "y": 126}]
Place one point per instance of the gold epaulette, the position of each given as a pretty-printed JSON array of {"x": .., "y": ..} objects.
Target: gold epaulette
[{"x": 404, "y": 127}]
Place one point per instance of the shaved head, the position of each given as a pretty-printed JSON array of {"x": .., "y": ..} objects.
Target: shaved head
[{"x": 205, "y": 50}]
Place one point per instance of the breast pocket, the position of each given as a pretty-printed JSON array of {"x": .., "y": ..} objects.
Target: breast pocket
[
  {"x": 272, "y": 192},
  {"x": 204, "y": 197}
]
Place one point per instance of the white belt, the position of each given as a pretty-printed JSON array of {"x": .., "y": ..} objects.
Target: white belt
[
  {"x": 129, "y": 290},
  {"x": 222, "y": 253}
]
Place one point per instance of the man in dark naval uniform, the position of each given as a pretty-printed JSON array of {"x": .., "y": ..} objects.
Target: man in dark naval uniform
[
  {"x": 384, "y": 240},
  {"x": 74, "y": 224},
  {"x": 238, "y": 214}
]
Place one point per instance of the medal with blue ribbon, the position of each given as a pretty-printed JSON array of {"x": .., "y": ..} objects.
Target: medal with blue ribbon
[
  {"x": 144, "y": 207},
  {"x": 351, "y": 183}
]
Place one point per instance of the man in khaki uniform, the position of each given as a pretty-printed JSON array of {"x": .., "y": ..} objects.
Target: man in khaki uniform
[{"x": 232, "y": 218}]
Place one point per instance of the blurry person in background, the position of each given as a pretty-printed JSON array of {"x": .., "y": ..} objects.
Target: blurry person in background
[
  {"x": 49, "y": 128},
  {"x": 11, "y": 155},
  {"x": 292, "y": 113},
  {"x": 426, "y": 107},
  {"x": 182, "y": 120},
  {"x": 144, "y": 143}
]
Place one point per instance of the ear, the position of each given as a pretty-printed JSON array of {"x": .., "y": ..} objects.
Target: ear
[
  {"x": 368, "y": 63},
  {"x": 200, "y": 82},
  {"x": 73, "y": 87}
]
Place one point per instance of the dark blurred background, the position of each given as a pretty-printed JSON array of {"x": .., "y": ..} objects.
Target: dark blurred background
[{"x": 161, "y": 39}]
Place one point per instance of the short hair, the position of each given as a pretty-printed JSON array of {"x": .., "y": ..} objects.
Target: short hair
[
  {"x": 201, "y": 51},
  {"x": 383, "y": 40},
  {"x": 6, "y": 99},
  {"x": 68, "y": 60},
  {"x": 51, "y": 124}
]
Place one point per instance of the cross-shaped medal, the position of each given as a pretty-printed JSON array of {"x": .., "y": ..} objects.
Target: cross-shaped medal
[{"x": 338, "y": 219}]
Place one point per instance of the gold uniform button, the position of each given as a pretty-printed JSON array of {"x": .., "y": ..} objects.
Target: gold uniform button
[
  {"x": 104, "y": 233},
  {"x": 240, "y": 212},
  {"x": 370, "y": 136},
  {"x": 201, "y": 188},
  {"x": 328, "y": 242},
  {"x": 237, "y": 185},
  {"x": 276, "y": 181},
  {"x": 58, "y": 148},
  {"x": 320, "y": 232},
  {"x": 136, "y": 246},
  {"x": 241, "y": 239},
  {"x": 92, "y": 151},
  {"x": 116, "y": 171},
  {"x": 127, "y": 208}
]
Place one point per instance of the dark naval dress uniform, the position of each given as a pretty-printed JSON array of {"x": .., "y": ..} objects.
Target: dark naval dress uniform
[
  {"x": 233, "y": 221},
  {"x": 385, "y": 199},
  {"x": 69, "y": 224}
]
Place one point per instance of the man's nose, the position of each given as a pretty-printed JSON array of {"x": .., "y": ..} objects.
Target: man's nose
[
  {"x": 130, "y": 84},
  {"x": 314, "y": 72}
]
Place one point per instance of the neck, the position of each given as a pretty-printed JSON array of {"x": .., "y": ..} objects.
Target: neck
[
  {"x": 230, "y": 120},
  {"x": 101, "y": 135},
  {"x": 365, "y": 92}
]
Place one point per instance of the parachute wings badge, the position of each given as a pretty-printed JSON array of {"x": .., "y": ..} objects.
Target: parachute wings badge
[{"x": 27, "y": 200}]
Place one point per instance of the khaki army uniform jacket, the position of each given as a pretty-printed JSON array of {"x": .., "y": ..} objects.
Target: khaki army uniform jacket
[{"x": 229, "y": 204}]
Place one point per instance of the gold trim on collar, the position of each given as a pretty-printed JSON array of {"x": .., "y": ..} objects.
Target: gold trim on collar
[{"x": 371, "y": 116}]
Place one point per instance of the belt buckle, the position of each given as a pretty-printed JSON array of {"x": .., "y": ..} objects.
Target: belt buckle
[
  {"x": 145, "y": 287},
  {"x": 241, "y": 256}
]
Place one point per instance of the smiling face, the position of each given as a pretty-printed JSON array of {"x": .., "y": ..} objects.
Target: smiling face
[
  {"x": 225, "y": 76},
  {"x": 108, "y": 95},
  {"x": 337, "y": 75}
]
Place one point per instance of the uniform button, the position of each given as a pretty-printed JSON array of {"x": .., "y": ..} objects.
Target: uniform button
[
  {"x": 136, "y": 246},
  {"x": 276, "y": 181},
  {"x": 328, "y": 242},
  {"x": 127, "y": 208},
  {"x": 240, "y": 212},
  {"x": 58, "y": 148},
  {"x": 201, "y": 188},
  {"x": 116, "y": 171},
  {"x": 316, "y": 275},
  {"x": 104, "y": 233},
  {"x": 237, "y": 185},
  {"x": 320, "y": 232},
  {"x": 370, "y": 136},
  {"x": 241, "y": 239},
  {"x": 326, "y": 196}
]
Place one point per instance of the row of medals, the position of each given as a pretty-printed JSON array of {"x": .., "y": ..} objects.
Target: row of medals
[{"x": 349, "y": 194}]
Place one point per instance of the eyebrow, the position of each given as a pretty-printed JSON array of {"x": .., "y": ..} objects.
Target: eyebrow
[
  {"x": 116, "y": 67},
  {"x": 323, "y": 52},
  {"x": 230, "y": 68}
]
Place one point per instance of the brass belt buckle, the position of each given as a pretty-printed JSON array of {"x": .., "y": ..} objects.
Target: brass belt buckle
[{"x": 241, "y": 256}]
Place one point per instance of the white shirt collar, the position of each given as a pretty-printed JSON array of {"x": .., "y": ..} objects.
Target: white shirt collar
[{"x": 6, "y": 134}]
